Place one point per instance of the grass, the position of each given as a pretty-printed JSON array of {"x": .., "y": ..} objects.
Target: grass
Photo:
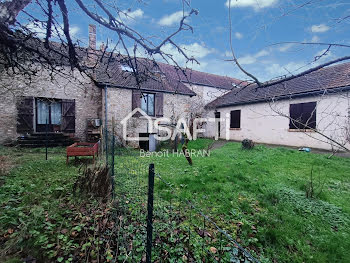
[
  {"x": 257, "y": 195},
  {"x": 263, "y": 191},
  {"x": 38, "y": 210}
]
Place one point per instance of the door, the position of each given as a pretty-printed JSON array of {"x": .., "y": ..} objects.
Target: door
[
  {"x": 217, "y": 117},
  {"x": 48, "y": 112},
  {"x": 25, "y": 115}
]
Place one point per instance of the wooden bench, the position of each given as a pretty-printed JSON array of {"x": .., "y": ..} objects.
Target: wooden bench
[{"x": 82, "y": 149}]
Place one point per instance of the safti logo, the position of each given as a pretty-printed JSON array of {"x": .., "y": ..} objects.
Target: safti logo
[
  {"x": 170, "y": 130},
  {"x": 124, "y": 123}
]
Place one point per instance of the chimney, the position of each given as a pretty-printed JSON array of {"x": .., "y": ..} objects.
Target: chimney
[{"x": 92, "y": 37}]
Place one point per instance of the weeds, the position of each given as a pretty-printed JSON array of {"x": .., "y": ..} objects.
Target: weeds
[{"x": 311, "y": 189}]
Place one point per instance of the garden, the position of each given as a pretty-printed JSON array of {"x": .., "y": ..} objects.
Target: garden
[{"x": 279, "y": 204}]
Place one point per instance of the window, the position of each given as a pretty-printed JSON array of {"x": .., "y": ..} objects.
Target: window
[
  {"x": 126, "y": 68},
  {"x": 56, "y": 113},
  {"x": 147, "y": 103},
  {"x": 49, "y": 111},
  {"x": 302, "y": 116},
  {"x": 235, "y": 122},
  {"x": 43, "y": 112}
]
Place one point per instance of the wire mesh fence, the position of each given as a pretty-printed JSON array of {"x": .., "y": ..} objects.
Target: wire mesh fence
[{"x": 153, "y": 223}]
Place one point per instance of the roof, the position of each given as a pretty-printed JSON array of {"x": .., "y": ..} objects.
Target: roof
[
  {"x": 165, "y": 77},
  {"x": 326, "y": 80},
  {"x": 200, "y": 78},
  {"x": 148, "y": 78}
]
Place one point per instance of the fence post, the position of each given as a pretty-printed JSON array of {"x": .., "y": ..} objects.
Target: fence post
[
  {"x": 150, "y": 213},
  {"x": 46, "y": 138},
  {"x": 112, "y": 166}
]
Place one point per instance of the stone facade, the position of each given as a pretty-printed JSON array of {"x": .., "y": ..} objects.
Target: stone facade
[
  {"x": 119, "y": 105},
  {"x": 90, "y": 103},
  {"x": 62, "y": 86}
]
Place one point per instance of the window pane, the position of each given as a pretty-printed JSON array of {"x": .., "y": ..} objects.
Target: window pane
[
  {"x": 295, "y": 112},
  {"x": 150, "y": 104},
  {"x": 235, "y": 119},
  {"x": 43, "y": 112},
  {"x": 144, "y": 102},
  {"x": 56, "y": 113},
  {"x": 302, "y": 115},
  {"x": 309, "y": 115}
]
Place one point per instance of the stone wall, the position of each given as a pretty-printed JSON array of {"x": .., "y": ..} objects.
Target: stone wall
[
  {"x": 119, "y": 105},
  {"x": 64, "y": 86}
]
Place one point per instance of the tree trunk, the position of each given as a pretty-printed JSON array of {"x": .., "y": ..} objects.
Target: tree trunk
[{"x": 10, "y": 10}]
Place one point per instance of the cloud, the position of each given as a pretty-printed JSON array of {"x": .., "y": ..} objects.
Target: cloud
[
  {"x": 195, "y": 50},
  {"x": 171, "y": 19},
  {"x": 192, "y": 50},
  {"x": 315, "y": 39},
  {"x": 276, "y": 70},
  {"x": 262, "y": 53},
  {"x": 285, "y": 47},
  {"x": 238, "y": 35},
  {"x": 256, "y": 4},
  {"x": 323, "y": 56},
  {"x": 250, "y": 59},
  {"x": 39, "y": 29},
  {"x": 319, "y": 28},
  {"x": 128, "y": 16}
]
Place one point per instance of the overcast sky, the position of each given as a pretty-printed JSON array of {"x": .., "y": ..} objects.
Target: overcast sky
[{"x": 256, "y": 26}]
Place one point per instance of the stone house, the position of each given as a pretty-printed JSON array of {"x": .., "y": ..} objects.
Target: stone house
[
  {"x": 63, "y": 103},
  {"x": 308, "y": 111}
]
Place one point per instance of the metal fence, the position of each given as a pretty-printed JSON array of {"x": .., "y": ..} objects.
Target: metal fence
[{"x": 154, "y": 223}]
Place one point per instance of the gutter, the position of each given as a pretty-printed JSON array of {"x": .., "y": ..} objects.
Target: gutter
[
  {"x": 205, "y": 85},
  {"x": 148, "y": 90},
  {"x": 106, "y": 122},
  {"x": 289, "y": 96}
]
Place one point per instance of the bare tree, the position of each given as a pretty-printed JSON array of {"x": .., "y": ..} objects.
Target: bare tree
[
  {"x": 21, "y": 48},
  {"x": 339, "y": 137}
]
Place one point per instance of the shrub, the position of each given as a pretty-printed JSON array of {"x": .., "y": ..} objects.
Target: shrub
[{"x": 247, "y": 144}]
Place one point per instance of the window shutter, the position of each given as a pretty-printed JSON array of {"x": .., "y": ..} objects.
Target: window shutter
[
  {"x": 68, "y": 116},
  {"x": 302, "y": 115},
  {"x": 295, "y": 111},
  {"x": 136, "y": 101},
  {"x": 159, "y": 104},
  {"x": 25, "y": 115},
  {"x": 309, "y": 115},
  {"x": 235, "y": 119}
]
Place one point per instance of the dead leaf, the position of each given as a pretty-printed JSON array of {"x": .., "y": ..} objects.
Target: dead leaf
[
  {"x": 213, "y": 250},
  {"x": 64, "y": 231}
]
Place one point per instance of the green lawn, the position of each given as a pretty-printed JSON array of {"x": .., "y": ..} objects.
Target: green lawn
[{"x": 257, "y": 195}]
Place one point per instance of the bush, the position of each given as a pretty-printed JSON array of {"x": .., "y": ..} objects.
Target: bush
[{"x": 247, "y": 144}]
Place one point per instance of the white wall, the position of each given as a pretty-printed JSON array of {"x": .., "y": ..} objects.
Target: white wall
[
  {"x": 206, "y": 94},
  {"x": 266, "y": 123}
]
